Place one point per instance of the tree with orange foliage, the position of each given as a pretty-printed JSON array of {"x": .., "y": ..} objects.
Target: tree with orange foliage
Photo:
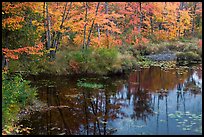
[
  {"x": 95, "y": 24},
  {"x": 16, "y": 18}
]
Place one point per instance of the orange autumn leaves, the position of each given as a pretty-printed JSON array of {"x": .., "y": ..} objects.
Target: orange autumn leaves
[
  {"x": 12, "y": 20},
  {"x": 13, "y": 54},
  {"x": 15, "y": 12},
  {"x": 12, "y": 23},
  {"x": 126, "y": 22}
]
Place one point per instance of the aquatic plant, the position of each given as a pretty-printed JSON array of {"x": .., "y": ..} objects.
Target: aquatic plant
[
  {"x": 89, "y": 85},
  {"x": 187, "y": 121}
]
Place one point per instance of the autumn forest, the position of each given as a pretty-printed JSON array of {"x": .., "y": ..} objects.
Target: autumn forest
[{"x": 82, "y": 62}]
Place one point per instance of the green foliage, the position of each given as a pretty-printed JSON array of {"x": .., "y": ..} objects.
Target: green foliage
[
  {"x": 193, "y": 48},
  {"x": 25, "y": 36},
  {"x": 127, "y": 61},
  {"x": 181, "y": 45},
  {"x": 102, "y": 61},
  {"x": 89, "y": 85},
  {"x": 16, "y": 93},
  {"x": 32, "y": 64},
  {"x": 182, "y": 39},
  {"x": 156, "y": 48},
  {"x": 144, "y": 62},
  {"x": 96, "y": 61},
  {"x": 187, "y": 57},
  {"x": 154, "y": 39},
  {"x": 128, "y": 49}
]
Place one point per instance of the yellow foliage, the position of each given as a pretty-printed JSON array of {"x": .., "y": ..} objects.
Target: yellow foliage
[
  {"x": 161, "y": 35},
  {"x": 78, "y": 40}
]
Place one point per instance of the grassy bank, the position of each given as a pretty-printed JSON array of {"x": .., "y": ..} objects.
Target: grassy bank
[{"x": 103, "y": 61}]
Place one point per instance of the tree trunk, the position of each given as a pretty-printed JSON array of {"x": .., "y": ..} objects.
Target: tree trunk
[
  {"x": 178, "y": 21},
  {"x": 98, "y": 29},
  {"x": 181, "y": 5},
  {"x": 45, "y": 34},
  {"x": 68, "y": 10},
  {"x": 58, "y": 33},
  {"x": 48, "y": 36},
  {"x": 193, "y": 21},
  {"x": 53, "y": 47},
  {"x": 59, "y": 36},
  {"x": 63, "y": 16},
  {"x": 140, "y": 24},
  {"x": 152, "y": 25},
  {"x": 89, "y": 36},
  {"x": 106, "y": 12},
  {"x": 4, "y": 59},
  {"x": 85, "y": 20}
]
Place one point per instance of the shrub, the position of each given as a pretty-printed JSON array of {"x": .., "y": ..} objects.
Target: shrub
[
  {"x": 190, "y": 47},
  {"x": 101, "y": 60},
  {"x": 16, "y": 93},
  {"x": 92, "y": 60},
  {"x": 31, "y": 64},
  {"x": 188, "y": 57}
]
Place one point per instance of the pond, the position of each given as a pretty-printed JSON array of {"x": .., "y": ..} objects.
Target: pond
[{"x": 151, "y": 101}]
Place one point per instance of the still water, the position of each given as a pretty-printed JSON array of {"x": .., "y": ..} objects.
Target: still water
[{"x": 150, "y": 101}]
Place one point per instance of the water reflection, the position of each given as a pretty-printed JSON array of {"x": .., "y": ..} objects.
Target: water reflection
[{"x": 139, "y": 105}]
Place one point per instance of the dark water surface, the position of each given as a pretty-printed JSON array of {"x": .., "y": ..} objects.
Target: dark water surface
[{"x": 150, "y": 101}]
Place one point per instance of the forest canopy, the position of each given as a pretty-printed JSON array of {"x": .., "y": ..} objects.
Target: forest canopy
[{"x": 28, "y": 27}]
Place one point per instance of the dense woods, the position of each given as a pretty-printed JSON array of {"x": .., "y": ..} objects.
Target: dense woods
[
  {"x": 101, "y": 38},
  {"x": 31, "y": 27}
]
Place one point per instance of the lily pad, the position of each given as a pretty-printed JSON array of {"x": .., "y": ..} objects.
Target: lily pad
[
  {"x": 172, "y": 115},
  {"x": 162, "y": 120},
  {"x": 184, "y": 129},
  {"x": 62, "y": 134},
  {"x": 187, "y": 129},
  {"x": 180, "y": 122},
  {"x": 185, "y": 120},
  {"x": 178, "y": 125}
]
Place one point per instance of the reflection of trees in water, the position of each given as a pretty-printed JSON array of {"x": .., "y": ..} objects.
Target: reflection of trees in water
[
  {"x": 199, "y": 72},
  {"x": 154, "y": 79},
  {"x": 193, "y": 84},
  {"x": 142, "y": 99},
  {"x": 85, "y": 113},
  {"x": 189, "y": 87},
  {"x": 180, "y": 97},
  {"x": 53, "y": 100},
  {"x": 88, "y": 111},
  {"x": 75, "y": 111},
  {"x": 142, "y": 105}
]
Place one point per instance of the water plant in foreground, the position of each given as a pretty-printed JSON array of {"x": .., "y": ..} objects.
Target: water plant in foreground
[
  {"x": 89, "y": 85},
  {"x": 188, "y": 121},
  {"x": 16, "y": 95}
]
